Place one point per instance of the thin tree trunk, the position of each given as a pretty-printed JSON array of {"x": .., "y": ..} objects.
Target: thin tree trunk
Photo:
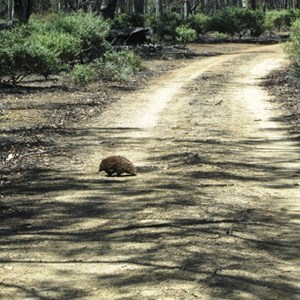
[
  {"x": 10, "y": 13},
  {"x": 108, "y": 8},
  {"x": 138, "y": 6},
  {"x": 121, "y": 6},
  {"x": 159, "y": 8},
  {"x": 185, "y": 9},
  {"x": 23, "y": 9},
  {"x": 159, "y": 16}
]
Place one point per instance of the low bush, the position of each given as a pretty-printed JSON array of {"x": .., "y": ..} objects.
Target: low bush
[
  {"x": 17, "y": 56},
  {"x": 49, "y": 46},
  {"x": 65, "y": 48},
  {"x": 185, "y": 34},
  {"x": 120, "y": 66},
  {"x": 237, "y": 21},
  {"x": 220, "y": 37},
  {"x": 117, "y": 66},
  {"x": 89, "y": 28},
  {"x": 39, "y": 52},
  {"x": 81, "y": 74},
  {"x": 167, "y": 27},
  {"x": 292, "y": 47},
  {"x": 198, "y": 22},
  {"x": 280, "y": 19},
  {"x": 124, "y": 20}
]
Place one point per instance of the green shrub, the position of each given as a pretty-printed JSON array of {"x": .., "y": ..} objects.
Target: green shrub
[
  {"x": 271, "y": 20},
  {"x": 280, "y": 20},
  {"x": 170, "y": 21},
  {"x": 292, "y": 48},
  {"x": 223, "y": 21},
  {"x": 41, "y": 53},
  {"x": 185, "y": 34},
  {"x": 42, "y": 23},
  {"x": 124, "y": 20},
  {"x": 220, "y": 37},
  {"x": 65, "y": 46},
  {"x": 51, "y": 45},
  {"x": 17, "y": 56},
  {"x": 90, "y": 29},
  {"x": 198, "y": 22},
  {"x": 82, "y": 74},
  {"x": 118, "y": 66},
  {"x": 255, "y": 22},
  {"x": 151, "y": 21},
  {"x": 237, "y": 21},
  {"x": 167, "y": 27},
  {"x": 38, "y": 59},
  {"x": 114, "y": 66}
]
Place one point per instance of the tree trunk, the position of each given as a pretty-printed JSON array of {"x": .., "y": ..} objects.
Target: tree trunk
[
  {"x": 108, "y": 8},
  {"x": 194, "y": 6},
  {"x": 10, "y": 13},
  {"x": 159, "y": 8},
  {"x": 23, "y": 9},
  {"x": 121, "y": 6},
  {"x": 185, "y": 9},
  {"x": 139, "y": 6},
  {"x": 159, "y": 16},
  {"x": 253, "y": 4}
]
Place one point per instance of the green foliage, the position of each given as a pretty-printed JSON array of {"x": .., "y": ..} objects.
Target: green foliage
[
  {"x": 292, "y": 48},
  {"x": 65, "y": 46},
  {"x": 185, "y": 34},
  {"x": 20, "y": 56},
  {"x": 237, "y": 21},
  {"x": 151, "y": 21},
  {"x": 170, "y": 21},
  {"x": 117, "y": 66},
  {"x": 120, "y": 66},
  {"x": 167, "y": 27},
  {"x": 223, "y": 22},
  {"x": 220, "y": 37},
  {"x": 82, "y": 74},
  {"x": 51, "y": 45},
  {"x": 12, "y": 56},
  {"x": 90, "y": 29},
  {"x": 254, "y": 22},
  {"x": 55, "y": 45},
  {"x": 26, "y": 52},
  {"x": 280, "y": 20},
  {"x": 198, "y": 22},
  {"x": 124, "y": 20}
]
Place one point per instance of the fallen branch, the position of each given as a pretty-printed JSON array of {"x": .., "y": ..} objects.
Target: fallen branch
[{"x": 35, "y": 153}]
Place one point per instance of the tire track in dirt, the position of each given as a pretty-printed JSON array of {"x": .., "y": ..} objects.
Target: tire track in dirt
[{"x": 212, "y": 213}]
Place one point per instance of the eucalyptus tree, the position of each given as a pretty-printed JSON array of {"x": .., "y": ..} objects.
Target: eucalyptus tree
[{"x": 20, "y": 8}]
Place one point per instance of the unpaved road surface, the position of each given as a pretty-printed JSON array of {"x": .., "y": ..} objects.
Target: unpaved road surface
[{"x": 212, "y": 214}]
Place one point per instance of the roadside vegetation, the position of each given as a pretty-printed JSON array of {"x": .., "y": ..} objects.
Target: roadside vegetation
[
  {"x": 75, "y": 45},
  {"x": 293, "y": 46}
]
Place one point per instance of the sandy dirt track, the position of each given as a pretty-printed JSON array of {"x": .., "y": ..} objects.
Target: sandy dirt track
[{"x": 212, "y": 214}]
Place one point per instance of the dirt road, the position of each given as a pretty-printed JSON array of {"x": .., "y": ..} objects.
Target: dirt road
[{"x": 212, "y": 214}]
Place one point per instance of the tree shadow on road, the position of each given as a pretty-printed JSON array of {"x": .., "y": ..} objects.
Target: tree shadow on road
[{"x": 194, "y": 220}]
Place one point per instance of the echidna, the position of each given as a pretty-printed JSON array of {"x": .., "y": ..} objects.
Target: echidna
[{"x": 117, "y": 164}]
